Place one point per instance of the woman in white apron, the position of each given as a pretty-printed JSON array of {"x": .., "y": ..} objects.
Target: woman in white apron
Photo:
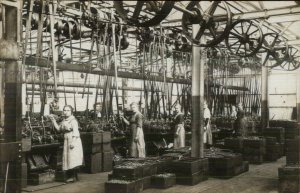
[
  {"x": 72, "y": 151},
  {"x": 207, "y": 134},
  {"x": 178, "y": 121},
  {"x": 135, "y": 122}
]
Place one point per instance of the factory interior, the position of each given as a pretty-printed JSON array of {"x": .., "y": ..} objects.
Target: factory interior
[{"x": 149, "y": 96}]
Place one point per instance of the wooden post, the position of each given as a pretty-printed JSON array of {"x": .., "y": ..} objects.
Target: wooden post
[
  {"x": 13, "y": 94},
  {"x": 298, "y": 94},
  {"x": 264, "y": 98},
  {"x": 197, "y": 98}
]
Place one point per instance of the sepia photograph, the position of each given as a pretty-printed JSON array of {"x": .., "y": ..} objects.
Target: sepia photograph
[{"x": 149, "y": 96}]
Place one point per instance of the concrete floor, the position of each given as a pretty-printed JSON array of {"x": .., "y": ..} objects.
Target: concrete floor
[{"x": 260, "y": 179}]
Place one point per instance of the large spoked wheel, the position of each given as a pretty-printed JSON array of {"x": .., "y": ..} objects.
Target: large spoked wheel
[
  {"x": 136, "y": 12},
  {"x": 245, "y": 38},
  {"x": 276, "y": 50},
  {"x": 214, "y": 29},
  {"x": 291, "y": 60}
]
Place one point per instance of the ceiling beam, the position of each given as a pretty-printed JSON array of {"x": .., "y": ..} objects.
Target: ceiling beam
[
  {"x": 84, "y": 68},
  {"x": 293, "y": 42}
]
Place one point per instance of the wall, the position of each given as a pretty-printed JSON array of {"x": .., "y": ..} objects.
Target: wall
[{"x": 282, "y": 94}]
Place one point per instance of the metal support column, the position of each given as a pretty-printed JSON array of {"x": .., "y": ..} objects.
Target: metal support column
[
  {"x": 13, "y": 98},
  {"x": 197, "y": 99},
  {"x": 264, "y": 98},
  {"x": 298, "y": 94}
]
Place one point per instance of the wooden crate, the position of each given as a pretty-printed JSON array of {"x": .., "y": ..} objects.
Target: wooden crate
[
  {"x": 188, "y": 166},
  {"x": 289, "y": 179},
  {"x": 41, "y": 178},
  {"x": 122, "y": 186},
  {"x": 235, "y": 144},
  {"x": 191, "y": 180},
  {"x": 91, "y": 137},
  {"x": 277, "y": 132},
  {"x": 132, "y": 173},
  {"x": 106, "y": 137},
  {"x": 146, "y": 182},
  {"x": 93, "y": 163},
  {"x": 163, "y": 181},
  {"x": 107, "y": 161}
]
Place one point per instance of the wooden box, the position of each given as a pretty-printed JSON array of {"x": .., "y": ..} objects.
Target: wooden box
[
  {"x": 93, "y": 163},
  {"x": 163, "y": 180},
  {"x": 91, "y": 137},
  {"x": 106, "y": 137},
  {"x": 146, "y": 182},
  {"x": 191, "y": 180},
  {"x": 107, "y": 161},
  {"x": 289, "y": 179},
  {"x": 235, "y": 144},
  {"x": 188, "y": 166},
  {"x": 122, "y": 186},
  {"x": 128, "y": 173},
  {"x": 41, "y": 178}
]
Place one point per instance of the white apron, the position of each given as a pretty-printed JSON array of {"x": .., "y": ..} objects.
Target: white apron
[{"x": 71, "y": 157}]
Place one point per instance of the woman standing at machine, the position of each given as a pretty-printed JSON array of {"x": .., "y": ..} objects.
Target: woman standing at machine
[
  {"x": 178, "y": 121},
  {"x": 135, "y": 122},
  {"x": 72, "y": 151},
  {"x": 207, "y": 135}
]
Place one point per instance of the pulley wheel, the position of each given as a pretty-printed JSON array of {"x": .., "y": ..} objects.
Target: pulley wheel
[
  {"x": 144, "y": 13},
  {"x": 276, "y": 50},
  {"x": 292, "y": 60},
  {"x": 245, "y": 38},
  {"x": 215, "y": 30}
]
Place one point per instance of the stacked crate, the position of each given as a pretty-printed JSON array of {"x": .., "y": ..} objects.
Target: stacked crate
[
  {"x": 272, "y": 149},
  {"x": 234, "y": 144},
  {"x": 190, "y": 171},
  {"x": 293, "y": 151},
  {"x": 131, "y": 177},
  {"x": 225, "y": 164},
  {"x": 98, "y": 155},
  {"x": 254, "y": 149},
  {"x": 292, "y": 128},
  {"x": 289, "y": 179},
  {"x": 163, "y": 181},
  {"x": 279, "y": 134},
  {"x": 289, "y": 175}
]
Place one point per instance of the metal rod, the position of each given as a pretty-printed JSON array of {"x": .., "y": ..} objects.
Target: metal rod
[{"x": 183, "y": 10}]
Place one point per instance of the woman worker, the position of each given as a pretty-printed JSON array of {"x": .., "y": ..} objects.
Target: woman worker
[
  {"x": 135, "y": 122},
  {"x": 178, "y": 122},
  {"x": 72, "y": 151},
  {"x": 207, "y": 135}
]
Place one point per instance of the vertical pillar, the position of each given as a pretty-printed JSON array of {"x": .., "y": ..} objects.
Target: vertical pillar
[
  {"x": 298, "y": 94},
  {"x": 264, "y": 98},
  {"x": 13, "y": 94},
  {"x": 197, "y": 98}
]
